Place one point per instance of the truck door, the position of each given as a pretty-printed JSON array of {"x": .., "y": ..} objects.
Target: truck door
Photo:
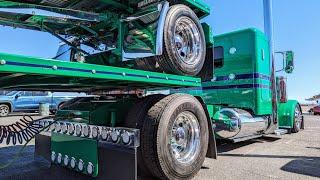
[{"x": 23, "y": 101}]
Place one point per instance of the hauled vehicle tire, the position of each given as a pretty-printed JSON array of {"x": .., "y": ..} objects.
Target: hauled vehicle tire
[
  {"x": 4, "y": 110},
  {"x": 174, "y": 137},
  {"x": 297, "y": 119},
  {"x": 184, "y": 44}
]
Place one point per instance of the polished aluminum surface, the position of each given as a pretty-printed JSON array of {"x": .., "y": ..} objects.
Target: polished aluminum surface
[
  {"x": 185, "y": 138},
  {"x": 188, "y": 41},
  {"x": 239, "y": 124}
]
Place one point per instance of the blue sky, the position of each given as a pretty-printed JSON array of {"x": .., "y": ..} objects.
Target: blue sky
[{"x": 296, "y": 28}]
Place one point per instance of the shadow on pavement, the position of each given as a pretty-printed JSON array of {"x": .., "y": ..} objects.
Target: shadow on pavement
[
  {"x": 317, "y": 148},
  {"x": 226, "y": 146},
  {"x": 305, "y": 165},
  {"x": 309, "y": 166}
]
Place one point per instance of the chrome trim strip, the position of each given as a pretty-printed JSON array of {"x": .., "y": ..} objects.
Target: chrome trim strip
[
  {"x": 160, "y": 30},
  {"x": 164, "y": 9}
]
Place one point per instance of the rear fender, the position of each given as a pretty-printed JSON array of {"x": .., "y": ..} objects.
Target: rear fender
[
  {"x": 138, "y": 22},
  {"x": 286, "y": 114}
]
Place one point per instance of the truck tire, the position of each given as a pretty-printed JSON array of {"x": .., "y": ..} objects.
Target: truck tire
[
  {"x": 4, "y": 110},
  {"x": 297, "y": 119},
  {"x": 174, "y": 137},
  {"x": 135, "y": 118},
  {"x": 184, "y": 44}
]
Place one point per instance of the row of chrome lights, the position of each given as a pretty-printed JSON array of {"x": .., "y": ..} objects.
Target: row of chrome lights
[
  {"x": 72, "y": 163},
  {"x": 120, "y": 136}
]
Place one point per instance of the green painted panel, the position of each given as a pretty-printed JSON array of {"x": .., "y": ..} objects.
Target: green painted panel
[
  {"x": 47, "y": 74},
  {"x": 243, "y": 81},
  {"x": 208, "y": 34},
  {"x": 201, "y": 8},
  {"x": 79, "y": 148},
  {"x": 286, "y": 113}
]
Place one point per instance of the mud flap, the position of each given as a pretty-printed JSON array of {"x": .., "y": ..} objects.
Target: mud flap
[
  {"x": 115, "y": 162},
  {"x": 43, "y": 146}
]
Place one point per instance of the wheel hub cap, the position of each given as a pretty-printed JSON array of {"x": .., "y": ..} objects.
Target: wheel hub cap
[
  {"x": 187, "y": 41},
  {"x": 185, "y": 137}
]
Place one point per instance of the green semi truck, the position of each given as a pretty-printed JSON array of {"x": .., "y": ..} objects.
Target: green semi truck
[{"x": 163, "y": 87}]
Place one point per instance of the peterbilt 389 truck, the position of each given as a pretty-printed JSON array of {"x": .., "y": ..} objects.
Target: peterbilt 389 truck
[{"x": 218, "y": 87}]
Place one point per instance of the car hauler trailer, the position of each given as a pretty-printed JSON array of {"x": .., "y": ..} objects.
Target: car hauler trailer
[{"x": 121, "y": 130}]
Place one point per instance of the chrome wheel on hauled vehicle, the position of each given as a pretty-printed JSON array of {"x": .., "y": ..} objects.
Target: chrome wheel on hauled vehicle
[
  {"x": 4, "y": 110},
  {"x": 184, "y": 44},
  {"x": 185, "y": 137},
  {"x": 297, "y": 119},
  {"x": 188, "y": 42}
]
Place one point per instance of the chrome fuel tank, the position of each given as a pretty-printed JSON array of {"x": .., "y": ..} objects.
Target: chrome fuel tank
[{"x": 237, "y": 123}]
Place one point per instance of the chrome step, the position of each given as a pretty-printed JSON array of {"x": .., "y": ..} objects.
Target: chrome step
[{"x": 280, "y": 132}]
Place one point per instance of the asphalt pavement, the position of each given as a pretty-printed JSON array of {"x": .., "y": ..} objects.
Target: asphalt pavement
[{"x": 291, "y": 156}]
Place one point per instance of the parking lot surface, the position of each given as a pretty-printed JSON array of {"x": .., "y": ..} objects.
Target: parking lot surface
[{"x": 293, "y": 156}]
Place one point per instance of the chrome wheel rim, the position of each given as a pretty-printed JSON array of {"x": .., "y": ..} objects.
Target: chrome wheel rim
[
  {"x": 185, "y": 138},
  {"x": 298, "y": 117},
  {"x": 4, "y": 110},
  {"x": 187, "y": 40}
]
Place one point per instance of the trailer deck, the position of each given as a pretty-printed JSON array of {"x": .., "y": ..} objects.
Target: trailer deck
[{"x": 30, "y": 73}]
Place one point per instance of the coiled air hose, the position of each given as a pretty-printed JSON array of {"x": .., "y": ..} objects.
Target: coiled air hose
[{"x": 22, "y": 131}]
